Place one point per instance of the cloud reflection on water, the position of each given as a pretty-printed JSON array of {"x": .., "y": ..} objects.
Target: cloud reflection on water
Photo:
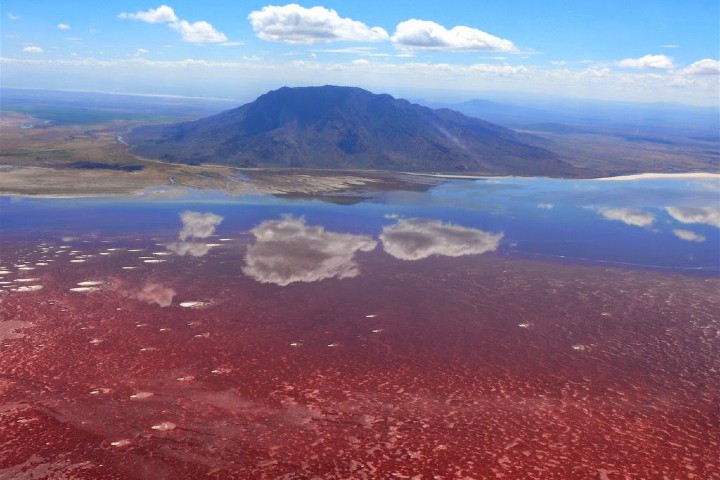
[
  {"x": 196, "y": 225},
  {"x": 418, "y": 238},
  {"x": 635, "y": 218},
  {"x": 288, "y": 251},
  {"x": 705, "y": 215},
  {"x": 688, "y": 235}
]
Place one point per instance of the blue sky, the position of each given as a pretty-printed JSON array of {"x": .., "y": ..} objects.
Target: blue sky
[{"x": 616, "y": 50}]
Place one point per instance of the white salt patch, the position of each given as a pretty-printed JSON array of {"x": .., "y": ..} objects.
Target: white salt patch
[
  {"x": 142, "y": 395},
  {"x": 332, "y": 345},
  {"x": 90, "y": 283},
  {"x": 4, "y": 272},
  {"x": 64, "y": 246},
  {"x": 295, "y": 344},
  {"x": 28, "y": 288},
  {"x": 524, "y": 325},
  {"x": 113, "y": 249},
  {"x": 221, "y": 370},
  {"x": 225, "y": 239},
  {"x": 6, "y": 283},
  {"x": 213, "y": 244},
  {"x": 26, "y": 268},
  {"x": 27, "y": 279},
  {"x": 74, "y": 251},
  {"x": 153, "y": 261},
  {"x": 164, "y": 426},
  {"x": 135, "y": 250},
  {"x": 120, "y": 443},
  {"x": 162, "y": 254},
  {"x": 129, "y": 268},
  {"x": 96, "y": 341},
  {"x": 85, "y": 289},
  {"x": 194, "y": 304},
  {"x": 371, "y": 315},
  {"x": 78, "y": 260},
  {"x": 377, "y": 330},
  {"x": 579, "y": 348},
  {"x": 203, "y": 335},
  {"x": 104, "y": 253},
  {"x": 42, "y": 264},
  {"x": 186, "y": 378}
]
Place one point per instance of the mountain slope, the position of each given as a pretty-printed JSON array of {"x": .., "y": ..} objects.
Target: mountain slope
[{"x": 346, "y": 128}]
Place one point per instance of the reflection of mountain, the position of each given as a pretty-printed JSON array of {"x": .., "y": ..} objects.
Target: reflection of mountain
[
  {"x": 704, "y": 215},
  {"x": 417, "y": 238},
  {"x": 287, "y": 251},
  {"x": 347, "y": 128}
]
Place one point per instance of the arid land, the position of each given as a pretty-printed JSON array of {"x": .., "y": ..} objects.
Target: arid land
[
  {"x": 91, "y": 160},
  {"x": 50, "y": 161}
]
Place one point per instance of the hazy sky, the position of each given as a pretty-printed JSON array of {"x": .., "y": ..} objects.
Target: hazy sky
[{"x": 622, "y": 50}]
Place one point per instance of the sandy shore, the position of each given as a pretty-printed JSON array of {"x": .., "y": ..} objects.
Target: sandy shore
[{"x": 664, "y": 176}]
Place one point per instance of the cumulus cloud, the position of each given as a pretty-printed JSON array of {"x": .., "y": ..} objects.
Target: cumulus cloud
[
  {"x": 704, "y": 215},
  {"x": 155, "y": 293},
  {"x": 63, "y": 26},
  {"x": 196, "y": 226},
  {"x": 198, "y": 32},
  {"x": 425, "y": 34},
  {"x": 288, "y": 251},
  {"x": 688, "y": 235},
  {"x": 706, "y": 66},
  {"x": 546, "y": 206},
  {"x": 295, "y": 24},
  {"x": 418, "y": 238},
  {"x": 33, "y": 49},
  {"x": 162, "y": 14},
  {"x": 636, "y": 218},
  {"x": 195, "y": 32},
  {"x": 648, "y": 61}
]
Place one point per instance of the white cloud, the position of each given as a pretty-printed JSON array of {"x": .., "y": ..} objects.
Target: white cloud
[
  {"x": 198, "y": 32},
  {"x": 13, "y": 17},
  {"x": 425, "y": 34},
  {"x": 546, "y": 206},
  {"x": 32, "y": 49},
  {"x": 63, "y": 26},
  {"x": 636, "y": 218},
  {"x": 418, "y": 238},
  {"x": 706, "y": 66},
  {"x": 688, "y": 235},
  {"x": 288, "y": 251},
  {"x": 140, "y": 51},
  {"x": 703, "y": 215},
  {"x": 162, "y": 14},
  {"x": 295, "y": 24},
  {"x": 671, "y": 45},
  {"x": 498, "y": 69},
  {"x": 648, "y": 61},
  {"x": 195, "y": 32}
]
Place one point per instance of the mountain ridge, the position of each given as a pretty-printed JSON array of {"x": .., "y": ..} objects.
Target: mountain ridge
[{"x": 334, "y": 127}]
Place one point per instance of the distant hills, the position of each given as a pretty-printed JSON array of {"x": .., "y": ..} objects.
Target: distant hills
[{"x": 332, "y": 127}]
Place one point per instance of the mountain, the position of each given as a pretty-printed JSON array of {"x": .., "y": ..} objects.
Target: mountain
[{"x": 333, "y": 127}]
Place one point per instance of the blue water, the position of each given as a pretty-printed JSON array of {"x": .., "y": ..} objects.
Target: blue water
[{"x": 673, "y": 224}]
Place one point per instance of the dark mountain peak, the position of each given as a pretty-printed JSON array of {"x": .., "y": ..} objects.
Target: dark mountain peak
[{"x": 345, "y": 128}]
